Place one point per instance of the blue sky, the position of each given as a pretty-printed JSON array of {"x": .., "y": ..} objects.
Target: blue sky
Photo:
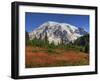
[{"x": 34, "y": 20}]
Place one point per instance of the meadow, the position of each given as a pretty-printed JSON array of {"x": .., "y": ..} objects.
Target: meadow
[{"x": 39, "y": 53}]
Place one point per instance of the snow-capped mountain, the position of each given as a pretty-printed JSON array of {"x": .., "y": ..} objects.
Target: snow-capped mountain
[{"x": 57, "y": 32}]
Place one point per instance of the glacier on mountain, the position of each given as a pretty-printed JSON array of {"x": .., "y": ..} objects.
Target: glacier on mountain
[{"x": 57, "y": 32}]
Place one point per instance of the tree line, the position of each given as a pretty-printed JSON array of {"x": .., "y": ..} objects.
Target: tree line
[{"x": 81, "y": 44}]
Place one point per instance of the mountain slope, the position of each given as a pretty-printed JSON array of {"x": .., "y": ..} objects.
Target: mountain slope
[
  {"x": 57, "y": 32},
  {"x": 83, "y": 40}
]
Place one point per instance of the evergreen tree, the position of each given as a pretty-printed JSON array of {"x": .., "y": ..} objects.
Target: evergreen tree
[
  {"x": 40, "y": 37},
  {"x": 87, "y": 48},
  {"x": 46, "y": 37},
  {"x": 26, "y": 35},
  {"x": 84, "y": 40},
  {"x": 62, "y": 40}
]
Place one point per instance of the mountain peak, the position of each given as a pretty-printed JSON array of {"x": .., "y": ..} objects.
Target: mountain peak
[
  {"x": 52, "y": 22},
  {"x": 57, "y": 32}
]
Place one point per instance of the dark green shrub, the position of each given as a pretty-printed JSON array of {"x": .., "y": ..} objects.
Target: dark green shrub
[{"x": 87, "y": 48}]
